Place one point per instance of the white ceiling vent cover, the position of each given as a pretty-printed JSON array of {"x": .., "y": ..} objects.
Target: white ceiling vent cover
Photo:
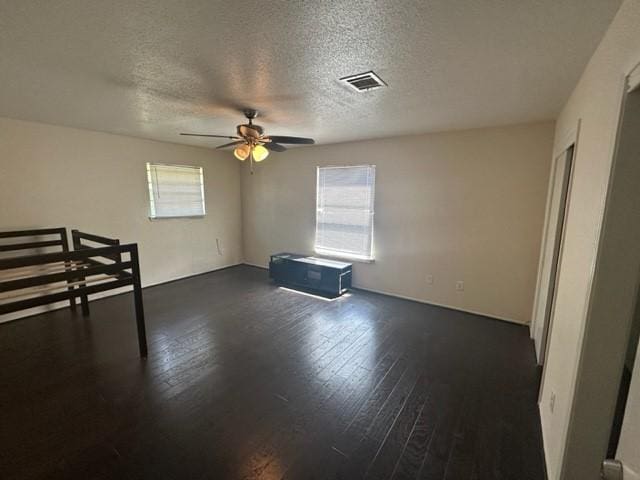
[{"x": 364, "y": 82}]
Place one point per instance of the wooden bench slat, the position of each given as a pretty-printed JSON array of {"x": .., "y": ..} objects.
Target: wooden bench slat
[
  {"x": 7, "y": 286},
  {"x": 59, "y": 297}
]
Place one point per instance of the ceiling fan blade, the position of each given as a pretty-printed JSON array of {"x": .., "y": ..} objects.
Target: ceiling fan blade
[
  {"x": 206, "y": 135},
  {"x": 275, "y": 147},
  {"x": 292, "y": 140},
  {"x": 237, "y": 142}
]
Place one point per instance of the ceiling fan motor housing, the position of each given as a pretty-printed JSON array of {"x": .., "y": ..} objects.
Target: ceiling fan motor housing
[
  {"x": 250, "y": 113},
  {"x": 250, "y": 130}
]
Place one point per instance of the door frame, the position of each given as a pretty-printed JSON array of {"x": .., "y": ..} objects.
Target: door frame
[
  {"x": 549, "y": 307},
  {"x": 541, "y": 324}
]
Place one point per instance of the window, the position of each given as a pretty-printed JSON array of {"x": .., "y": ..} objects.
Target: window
[
  {"x": 175, "y": 191},
  {"x": 344, "y": 211}
]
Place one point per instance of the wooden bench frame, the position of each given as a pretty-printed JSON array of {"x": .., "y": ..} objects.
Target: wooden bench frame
[{"x": 86, "y": 270}]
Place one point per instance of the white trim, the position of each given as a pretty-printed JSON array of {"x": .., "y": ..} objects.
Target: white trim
[
  {"x": 189, "y": 275},
  {"x": 173, "y": 217},
  {"x": 543, "y": 247},
  {"x": 633, "y": 79},
  {"x": 566, "y": 140},
  {"x": 545, "y": 454},
  {"x": 264, "y": 267},
  {"x": 321, "y": 252},
  {"x": 346, "y": 166},
  {"x": 441, "y": 305}
]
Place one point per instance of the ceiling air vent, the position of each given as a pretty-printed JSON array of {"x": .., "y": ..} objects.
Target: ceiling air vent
[{"x": 363, "y": 82}]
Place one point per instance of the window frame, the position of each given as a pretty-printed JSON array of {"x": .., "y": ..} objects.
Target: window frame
[
  {"x": 346, "y": 255},
  {"x": 152, "y": 214}
]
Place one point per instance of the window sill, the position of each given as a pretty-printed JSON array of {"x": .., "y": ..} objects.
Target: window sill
[
  {"x": 338, "y": 257},
  {"x": 176, "y": 216}
]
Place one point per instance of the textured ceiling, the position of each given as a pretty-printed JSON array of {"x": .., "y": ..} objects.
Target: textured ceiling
[{"x": 153, "y": 68}]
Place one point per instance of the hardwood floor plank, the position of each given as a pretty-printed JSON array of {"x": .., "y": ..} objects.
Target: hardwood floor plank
[
  {"x": 383, "y": 465},
  {"x": 415, "y": 448}
]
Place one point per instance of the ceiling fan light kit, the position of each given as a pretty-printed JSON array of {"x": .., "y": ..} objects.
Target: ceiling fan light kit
[
  {"x": 242, "y": 152},
  {"x": 251, "y": 142},
  {"x": 259, "y": 153}
]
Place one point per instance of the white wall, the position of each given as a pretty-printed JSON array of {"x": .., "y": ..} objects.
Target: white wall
[
  {"x": 596, "y": 100},
  {"x": 464, "y": 205},
  {"x": 54, "y": 176}
]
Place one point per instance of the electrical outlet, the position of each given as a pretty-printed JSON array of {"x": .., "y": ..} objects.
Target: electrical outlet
[
  {"x": 429, "y": 279},
  {"x": 218, "y": 247},
  {"x": 459, "y": 286},
  {"x": 552, "y": 401}
]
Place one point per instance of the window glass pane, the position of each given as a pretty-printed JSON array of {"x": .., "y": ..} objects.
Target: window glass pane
[
  {"x": 344, "y": 217},
  {"x": 175, "y": 191}
]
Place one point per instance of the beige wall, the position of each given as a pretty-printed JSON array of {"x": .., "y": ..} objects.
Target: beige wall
[
  {"x": 96, "y": 182},
  {"x": 596, "y": 101},
  {"x": 465, "y": 205}
]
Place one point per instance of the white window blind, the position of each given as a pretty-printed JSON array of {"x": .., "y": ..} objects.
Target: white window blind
[
  {"x": 175, "y": 191},
  {"x": 344, "y": 211}
]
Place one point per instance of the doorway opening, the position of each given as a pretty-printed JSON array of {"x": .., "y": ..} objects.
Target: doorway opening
[
  {"x": 559, "y": 204},
  {"x": 552, "y": 244}
]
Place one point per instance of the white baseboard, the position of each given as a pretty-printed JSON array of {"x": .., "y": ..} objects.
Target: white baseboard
[
  {"x": 419, "y": 300},
  {"x": 264, "y": 267},
  {"x": 441, "y": 305},
  {"x": 189, "y": 275},
  {"x": 544, "y": 445}
]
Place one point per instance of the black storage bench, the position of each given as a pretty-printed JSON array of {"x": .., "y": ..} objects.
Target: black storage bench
[{"x": 328, "y": 277}]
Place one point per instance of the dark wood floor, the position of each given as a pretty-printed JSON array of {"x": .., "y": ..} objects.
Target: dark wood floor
[{"x": 248, "y": 381}]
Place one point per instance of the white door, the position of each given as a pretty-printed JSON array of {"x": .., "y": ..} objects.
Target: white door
[
  {"x": 627, "y": 452},
  {"x": 629, "y": 446}
]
